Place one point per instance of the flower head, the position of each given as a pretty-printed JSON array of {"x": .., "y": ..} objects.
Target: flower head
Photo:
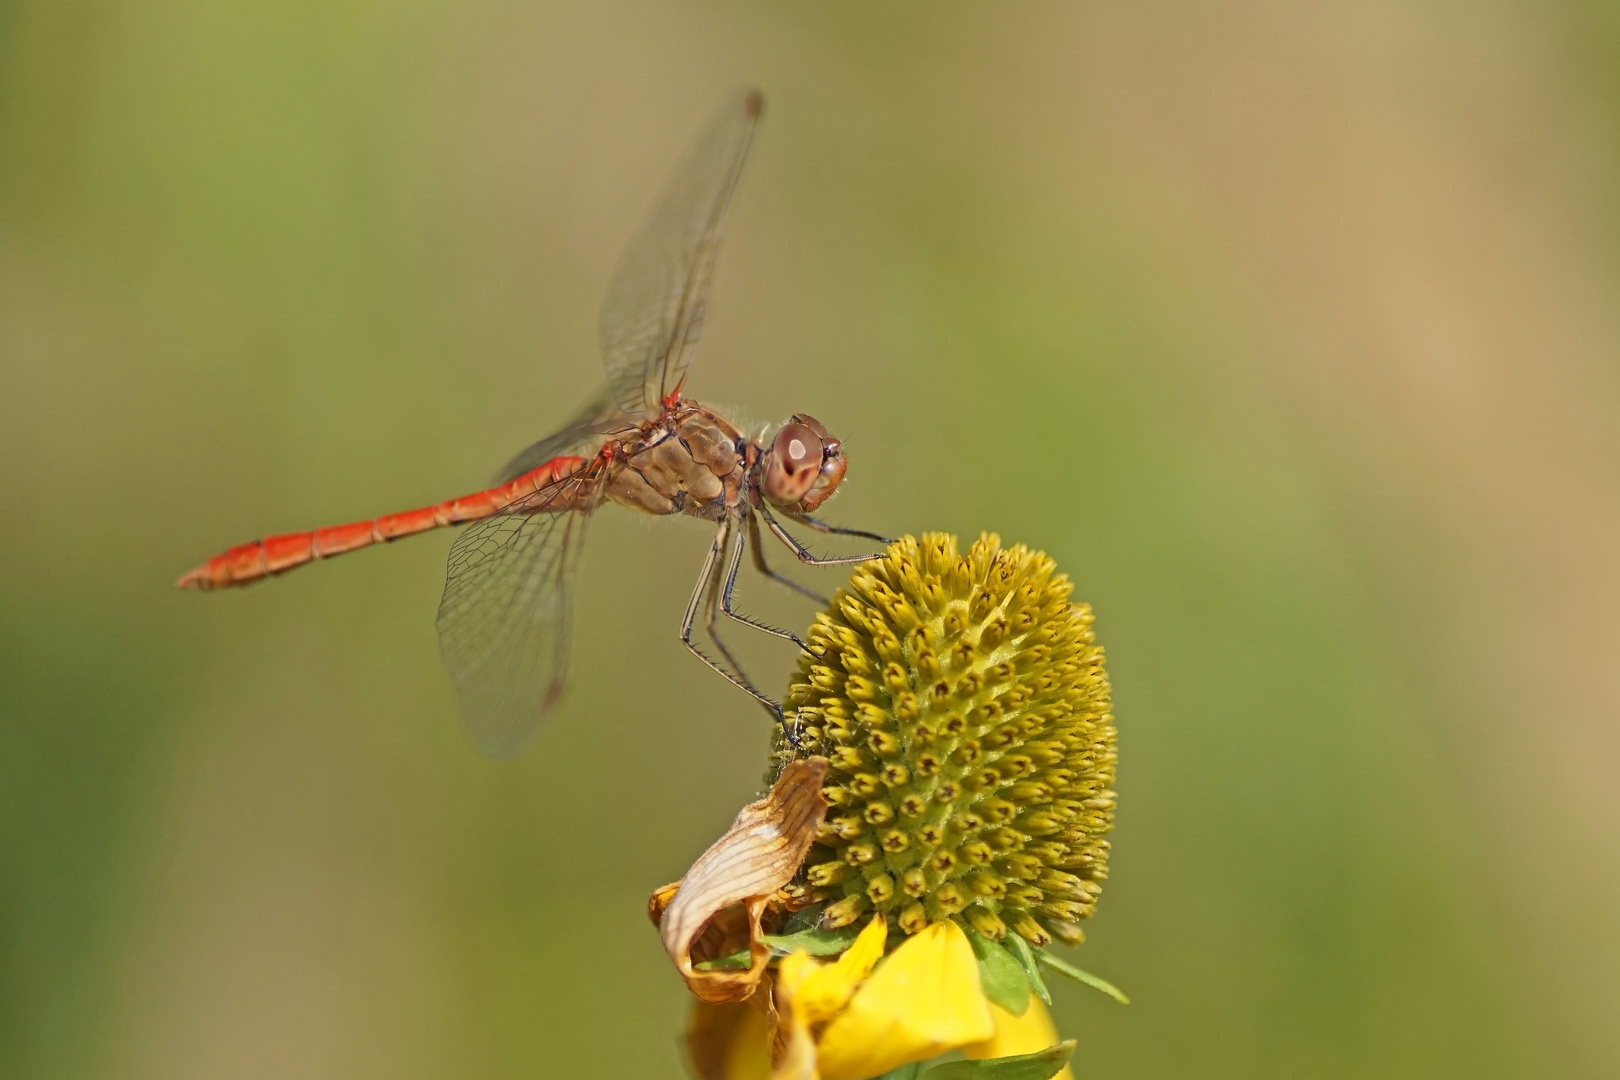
[
  {"x": 936, "y": 818},
  {"x": 964, "y": 709}
]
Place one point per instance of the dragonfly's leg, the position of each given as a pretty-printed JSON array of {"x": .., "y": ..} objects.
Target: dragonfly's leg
[
  {"x": 733, "y": 562},
  {"x": 706, "y": 581},
  {"x": 821, "y": 526},
  {"x": 804, "y": 554},
  {"x": 758, "y": 550},
  {"x": 721, "y": 597},
  {"x": 711, "y": 615}
]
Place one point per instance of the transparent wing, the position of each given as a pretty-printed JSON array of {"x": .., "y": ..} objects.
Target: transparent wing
[
  {"x": 508, "y": 603},
  {"x": 653, "y": 314},
  {"x": 586, "y": 431}
]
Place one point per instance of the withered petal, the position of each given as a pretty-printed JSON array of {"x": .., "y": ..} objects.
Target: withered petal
[
  {"x": 659, "y": 901},
  {"x": 758, "y": 855}
]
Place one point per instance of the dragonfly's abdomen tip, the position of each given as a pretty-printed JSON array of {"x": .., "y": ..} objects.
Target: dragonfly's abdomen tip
[{"x": 211, "y": 575}]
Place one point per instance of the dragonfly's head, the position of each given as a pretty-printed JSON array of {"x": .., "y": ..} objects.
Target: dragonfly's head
[{"x": 803, "y": 467}]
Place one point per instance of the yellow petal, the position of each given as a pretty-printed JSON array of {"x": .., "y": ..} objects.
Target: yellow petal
[
  {"x": 729, "y": 1041},
  {"x": 825, "y": 989},
  {"x": 794, "y": 970},
  {"x": 924, "y": 1000},
  {"x": 798, "y": 1058},
  {"x": 749, "y": 1055},
  {"x": 712, "y": 1032},
  {"x": 790, "y": 1041},
  {"x": 1019, "y": 1035}
]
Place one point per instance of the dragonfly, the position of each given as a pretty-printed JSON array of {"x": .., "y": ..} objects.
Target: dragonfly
[{"x": 505, "y": 617}]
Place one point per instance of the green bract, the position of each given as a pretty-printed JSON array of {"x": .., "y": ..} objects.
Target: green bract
[{"x": 964, "y": 707}]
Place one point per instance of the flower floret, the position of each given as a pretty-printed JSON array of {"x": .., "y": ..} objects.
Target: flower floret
[{"x": 964, "y": 707}]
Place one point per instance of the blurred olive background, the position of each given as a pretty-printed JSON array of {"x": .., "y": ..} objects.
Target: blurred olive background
[{"x": 1289, "y": 330}]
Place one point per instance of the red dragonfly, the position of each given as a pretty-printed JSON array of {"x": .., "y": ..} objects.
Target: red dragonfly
[{"x": 504, "y": 619}]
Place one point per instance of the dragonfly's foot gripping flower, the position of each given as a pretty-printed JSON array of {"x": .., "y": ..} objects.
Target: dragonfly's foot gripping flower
[{"x": 937, "y": 820}]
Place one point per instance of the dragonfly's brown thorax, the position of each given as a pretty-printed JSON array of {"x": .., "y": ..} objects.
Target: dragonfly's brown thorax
[{"x": 687, "y": 461}]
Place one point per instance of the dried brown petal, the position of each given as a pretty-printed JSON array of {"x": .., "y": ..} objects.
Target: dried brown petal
[
  {"x": 716, "y": 908},
  {"x": 659, "y": 901}
]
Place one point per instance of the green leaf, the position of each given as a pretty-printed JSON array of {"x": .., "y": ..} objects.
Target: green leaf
[
  {"x": 1025, "y": 955},
  {"x": 804, "y": 919},
  {"x": 737, "y": 961},
  {"x": 1037, "y": 1066},
  {"x": 1001, "y": 976},
  {"x": 1063, "y": 967},
  {"x": 909, "y": 1071},
  {"x": 814, "y": 942}
]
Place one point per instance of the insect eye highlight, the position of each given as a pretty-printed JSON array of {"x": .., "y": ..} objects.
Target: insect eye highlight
[{"x": 797, "y": 446}]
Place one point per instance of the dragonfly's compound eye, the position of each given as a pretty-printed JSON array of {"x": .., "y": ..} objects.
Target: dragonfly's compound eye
[
  {"x": 795, "y": 462},
  {"x": 829, "y": 445},
  {"x": 833, "y": 464},
  {"x": 814, "y": 425}
]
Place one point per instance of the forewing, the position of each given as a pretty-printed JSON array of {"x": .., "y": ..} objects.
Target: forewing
[
  {"x": 507, "y": 610},
  {"x": 585, "y": 432},
  {"x": 653, "y": 314}
]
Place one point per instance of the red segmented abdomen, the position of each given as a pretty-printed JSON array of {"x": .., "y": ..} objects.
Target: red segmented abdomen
[{"x": 276, "y": 554}]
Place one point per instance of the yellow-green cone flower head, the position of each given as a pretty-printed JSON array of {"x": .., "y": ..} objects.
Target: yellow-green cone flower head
[{"x": 963, "y": 704}]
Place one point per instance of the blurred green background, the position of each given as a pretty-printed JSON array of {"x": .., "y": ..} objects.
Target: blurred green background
[{"x": 1289, "y": 330}]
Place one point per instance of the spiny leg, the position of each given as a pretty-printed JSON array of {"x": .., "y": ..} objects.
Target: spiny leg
[
  {"x": 758, "y": 550},
  {"x": 733, "y": 563},
  {"x": 705, "y": 582},
  {"x": 821, "y": 526},
  {"x": 711, "y": 615},
  {"x": 804, "y": 554}
]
